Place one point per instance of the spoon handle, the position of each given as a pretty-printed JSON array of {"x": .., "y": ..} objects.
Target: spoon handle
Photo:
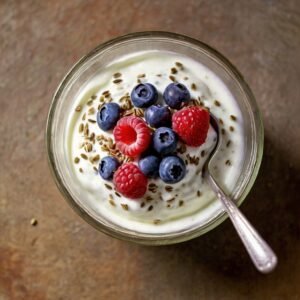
[{"x": 260, "y": 252}]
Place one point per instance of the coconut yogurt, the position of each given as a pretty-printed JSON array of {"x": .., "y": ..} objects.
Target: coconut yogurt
[{"x": 165, "y": 208}]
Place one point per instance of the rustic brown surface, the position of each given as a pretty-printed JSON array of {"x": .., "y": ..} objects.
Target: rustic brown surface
[{"x": 63, "y": 257}]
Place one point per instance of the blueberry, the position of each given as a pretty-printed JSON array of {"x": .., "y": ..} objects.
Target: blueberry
[
  {"x": 108, "y": 115},
  {"x": 107, "y": 166},
  {"x": 157, "y": 116},
  {"x": 172, "y": 169},
  {"x": 144, "y": 95},
  {"x": 176, "y": 94},
  {"x": 164, "y": 140},
  {"x": 149, "y": 165}
]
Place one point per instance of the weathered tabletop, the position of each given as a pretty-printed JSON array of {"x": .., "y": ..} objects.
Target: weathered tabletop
[{"x": 62, "y": 257}]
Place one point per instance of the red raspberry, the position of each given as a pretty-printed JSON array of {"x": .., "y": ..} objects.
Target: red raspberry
[
  {"x": 132, "y": 136},
  {"x": 130, "y": 181},
  {"x": 191, "y": 124}
]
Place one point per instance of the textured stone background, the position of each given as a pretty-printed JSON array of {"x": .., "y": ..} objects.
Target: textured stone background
[{"x": 63, "y": 257}]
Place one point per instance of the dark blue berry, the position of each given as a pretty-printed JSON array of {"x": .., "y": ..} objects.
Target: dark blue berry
[
  {"x": 144, "y": 95},
  {"x": 164, "y": 140},
  {"x": 157, "y": 116},
  {"x": 149, "y": 165},
  {"x": 107, "y": 166},
  {"x": 172, "y": 169},
  {"x": 108, "y": 115},
  {"x": 176, "y": 94}
]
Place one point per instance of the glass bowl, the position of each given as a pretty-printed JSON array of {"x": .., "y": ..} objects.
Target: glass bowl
[{"x": 98, "y": 58}]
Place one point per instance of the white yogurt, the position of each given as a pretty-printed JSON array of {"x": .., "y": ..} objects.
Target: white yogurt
[{"x": 165, "y": 208}]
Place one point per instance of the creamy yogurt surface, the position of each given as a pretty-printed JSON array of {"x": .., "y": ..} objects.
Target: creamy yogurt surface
[{"x": 165, "y": 208}]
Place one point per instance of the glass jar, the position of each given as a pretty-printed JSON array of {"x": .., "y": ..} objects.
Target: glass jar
[{"x": 98, "y": 58}]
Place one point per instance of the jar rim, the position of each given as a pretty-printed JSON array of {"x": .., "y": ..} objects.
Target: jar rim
[{"x": 141, "y": 237}]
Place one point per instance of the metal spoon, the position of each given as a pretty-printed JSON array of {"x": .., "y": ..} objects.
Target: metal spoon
[{"x": 260, "y": 252}]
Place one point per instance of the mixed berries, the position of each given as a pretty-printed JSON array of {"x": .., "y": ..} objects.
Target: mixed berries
[
  {"x": 130, "y": 181},
  {"x": 132, "y": 136},
  {"x": 144, "y": 95},
  {"x": 191, "y": 124},
  {"x": 164, "y": 140},
  {"x": 108, "y": 115},
  {"x": 151, "y": 142},
  {"x": 158, "y": 116}
]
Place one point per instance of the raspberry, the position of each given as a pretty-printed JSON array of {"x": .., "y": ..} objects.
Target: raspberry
[
  {"x": 132, "y": 136},
  {"x": 130, "y": 181},
  {"x": 191, "y": 124}
]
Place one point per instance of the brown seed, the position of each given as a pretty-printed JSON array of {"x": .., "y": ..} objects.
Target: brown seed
[
  {"x": 124, "y": 206},
  {"x": 33, "y": 222},
  {"x": 108, "y": 186},
  {"x": 76, "y": 160},
  {"x": 171, "y": 199},
  {"x": 193, "y": 86},
  {"x": 156, "y": 221},
  {"x": 186, "y": 78},
  {"x": 117, "y": 75},
  {"x": 142, "y": 204},
  {"x": 173, "y": 71},
  {"x": 86, "y": 129},
  {"x": 96, "y": 158},
  {"x": 83, "y": 117},
  {"x": 172, "y": 78},
  {"x": 168, "y": 188},
  {"x": 88, "y": 147},
  {"x": 181, "y": 202},
  {"x": 158, "y": 75},
  {"x": 83, "y": 156},
  {"x": 233, "y": 118},
  {"x": 141, "y": 76},
  {"x": 78, "y": 108},
  {"x": 150, "y": 207},
  {"x": 80, "y": 170},
  {"x": 179, "y": 65},
  {"x": 228, "y": 162},
  {"x": 106, "y": 92},
  {"x": 217, "y": 103},
  {"x": 223, "y": 131},
  {"x": 111, "y": 202},
  {"x": 116, "y": 81},
  {"x": 91, "y": 111},
  {"x": 139, "y": 81},
  {"x": 231, "y": 128},
  {"x": 152, "y": 185},
  {"x": 91, "y": 121},
  {"x": 198, "y": 193},
  {"x": 149, "y": 198},
  {"x": 95, "y": 169},
  {"x": 92, "y": 136},
  {"x": 117, "y": 194},
  {"x": 90, "y": 102},
  {"x": 80, "y": 127},
  {"x": 221, "y": 121},
  {"x": 182, "y": 149},
  {"x": 202, "y": 153},
  {"x": 93, "y": 97},
  {"x": 228, "y": 143}
]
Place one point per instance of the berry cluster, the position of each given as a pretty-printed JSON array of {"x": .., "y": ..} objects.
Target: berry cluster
[{"x": 153, "y": 140}]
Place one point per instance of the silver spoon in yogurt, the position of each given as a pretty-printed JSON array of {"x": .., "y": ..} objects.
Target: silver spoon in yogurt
[{"x": 260, "y": 252}]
